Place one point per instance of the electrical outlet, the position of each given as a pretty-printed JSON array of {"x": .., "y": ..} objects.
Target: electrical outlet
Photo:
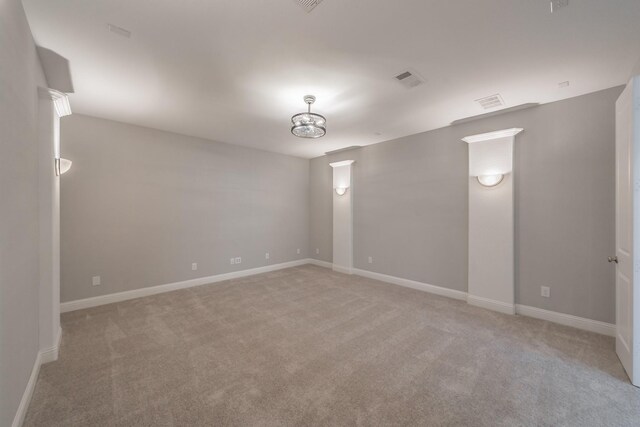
[
  {"x": 266, "y": 255},
  {"x": 545, "y": 291},
  {"x": 95, "y": 280},
  {"x": 370, "y": 260},
  {"x": 238, "y": 260},
  {"x": 194, "y": 266},
  {"x": 317, "y": 250},
  {"x": 232, "y": 260},
  {"x": 298, "y": 251}
]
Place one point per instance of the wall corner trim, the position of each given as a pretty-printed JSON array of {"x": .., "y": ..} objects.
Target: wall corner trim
[{"x": 51, "y": 354}]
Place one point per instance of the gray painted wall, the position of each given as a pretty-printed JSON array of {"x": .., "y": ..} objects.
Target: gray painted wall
[
  {"x": 320, "y": 210},
  {"x": 140, "y": 205},
  {"x": 20, "y": 75},
  {"x": 410, "y": 204}
]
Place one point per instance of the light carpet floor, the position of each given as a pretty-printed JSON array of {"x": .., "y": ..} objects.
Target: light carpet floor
[{"x": 307, "y": 346}]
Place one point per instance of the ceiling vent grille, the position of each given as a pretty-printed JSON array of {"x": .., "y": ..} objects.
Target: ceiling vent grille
[
  {"x": 409, "y": 79},
  {"x": 119, "y": 31},
  {"x": 308, "y": 5},
  {"x": 490, "y": 102}
]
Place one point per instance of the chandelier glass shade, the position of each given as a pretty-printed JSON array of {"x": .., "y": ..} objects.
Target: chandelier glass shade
[{"x": 308, "y": 125}]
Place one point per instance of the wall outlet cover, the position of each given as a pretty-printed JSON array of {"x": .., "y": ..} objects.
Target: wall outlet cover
[
  {"x": 545, "y": 291},
  {"x": 266, "y": 255},
  {"x": 232, "y": 260},
  {"x": 95, "y": 280},
  {"x": 238, "y": 260},
  {"x": 194, "y": 266}
]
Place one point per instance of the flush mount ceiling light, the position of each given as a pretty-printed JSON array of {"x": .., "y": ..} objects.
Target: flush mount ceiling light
[
  {"x": 490, "y": 180},
  {"x": 308, "y": 125}
]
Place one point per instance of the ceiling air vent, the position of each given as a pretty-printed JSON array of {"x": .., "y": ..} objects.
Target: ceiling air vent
[
  {"x": 119, "y": 31},
  {"x": 308, "y": 5},
  {"x": 409, "y": 79},
  {"x": 490, "y": 102}
]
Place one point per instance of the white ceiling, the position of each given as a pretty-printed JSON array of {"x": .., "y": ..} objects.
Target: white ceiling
[{"x": 236, "y": 71}]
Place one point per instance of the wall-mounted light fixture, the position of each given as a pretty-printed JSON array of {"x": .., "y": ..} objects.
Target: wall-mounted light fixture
[
  {"x": 341, "y": 176},
  {"x": 490, "y": 180},
  {"x": 491, "y": 155},
  {"x": 61, "y": 165}
]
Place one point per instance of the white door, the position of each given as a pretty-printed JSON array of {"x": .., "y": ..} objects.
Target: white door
[{"x": 628, "y": 228}]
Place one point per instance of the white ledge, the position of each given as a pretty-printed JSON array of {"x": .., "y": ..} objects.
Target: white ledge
[
  {"x": 492, "y": 135},
  {"x": 342, "y": 163}
]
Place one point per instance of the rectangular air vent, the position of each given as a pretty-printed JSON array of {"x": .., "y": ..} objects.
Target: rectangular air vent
[
  {"x": 119, "y": 31},
  {"x": 490, "y": 102},
  {"x": 308, "y": 5},
  {"x": 409, "y": 79}
]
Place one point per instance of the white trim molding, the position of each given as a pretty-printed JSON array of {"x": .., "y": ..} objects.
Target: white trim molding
[
  {"x": 342, "y": 163},
  {"x": 51, "y": 354},
  {"x": 538, "y": 313},
  {"x": 490, "y": 304},
  {"x": 340, "y": 269},
  {"x": 432, "y": 289},
  {"x": 502, "y": 307},
  {"x": 18, "y": 419},
  {"x": 153, "y": 290},
  {"x": 492, "y": 135},
  {"x": 43, "y": 356},
  {"x": 567, "y": 320},
  {"x": 320, "y": 263}
]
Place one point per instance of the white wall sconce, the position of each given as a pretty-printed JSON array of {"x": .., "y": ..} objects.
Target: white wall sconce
[
  {"x": 490, "y": 180},
  {"x": 61, "y": 165},
  {"x": 341, "y": 190},
  {"x": 341, "y": 176},
  {"x": 491, "y": 155}
]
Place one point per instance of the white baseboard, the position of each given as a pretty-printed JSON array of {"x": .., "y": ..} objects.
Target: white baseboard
[
  {"x": 51, "y": 354},
  {"x": 343, "y": 270},
  {"x": 152, "y": 290},
  {"x": 489, "y": 304},
  {"x": 523, "y": 310},
  {"x": 568, "y": 320},
  {"x": 18, "y": 419},
  {"x": 538, "y": 313},
  {"x": 438, "y": 290},
  {"x": 44, "y": 356},
  {"x": 320, "y": 263}
]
